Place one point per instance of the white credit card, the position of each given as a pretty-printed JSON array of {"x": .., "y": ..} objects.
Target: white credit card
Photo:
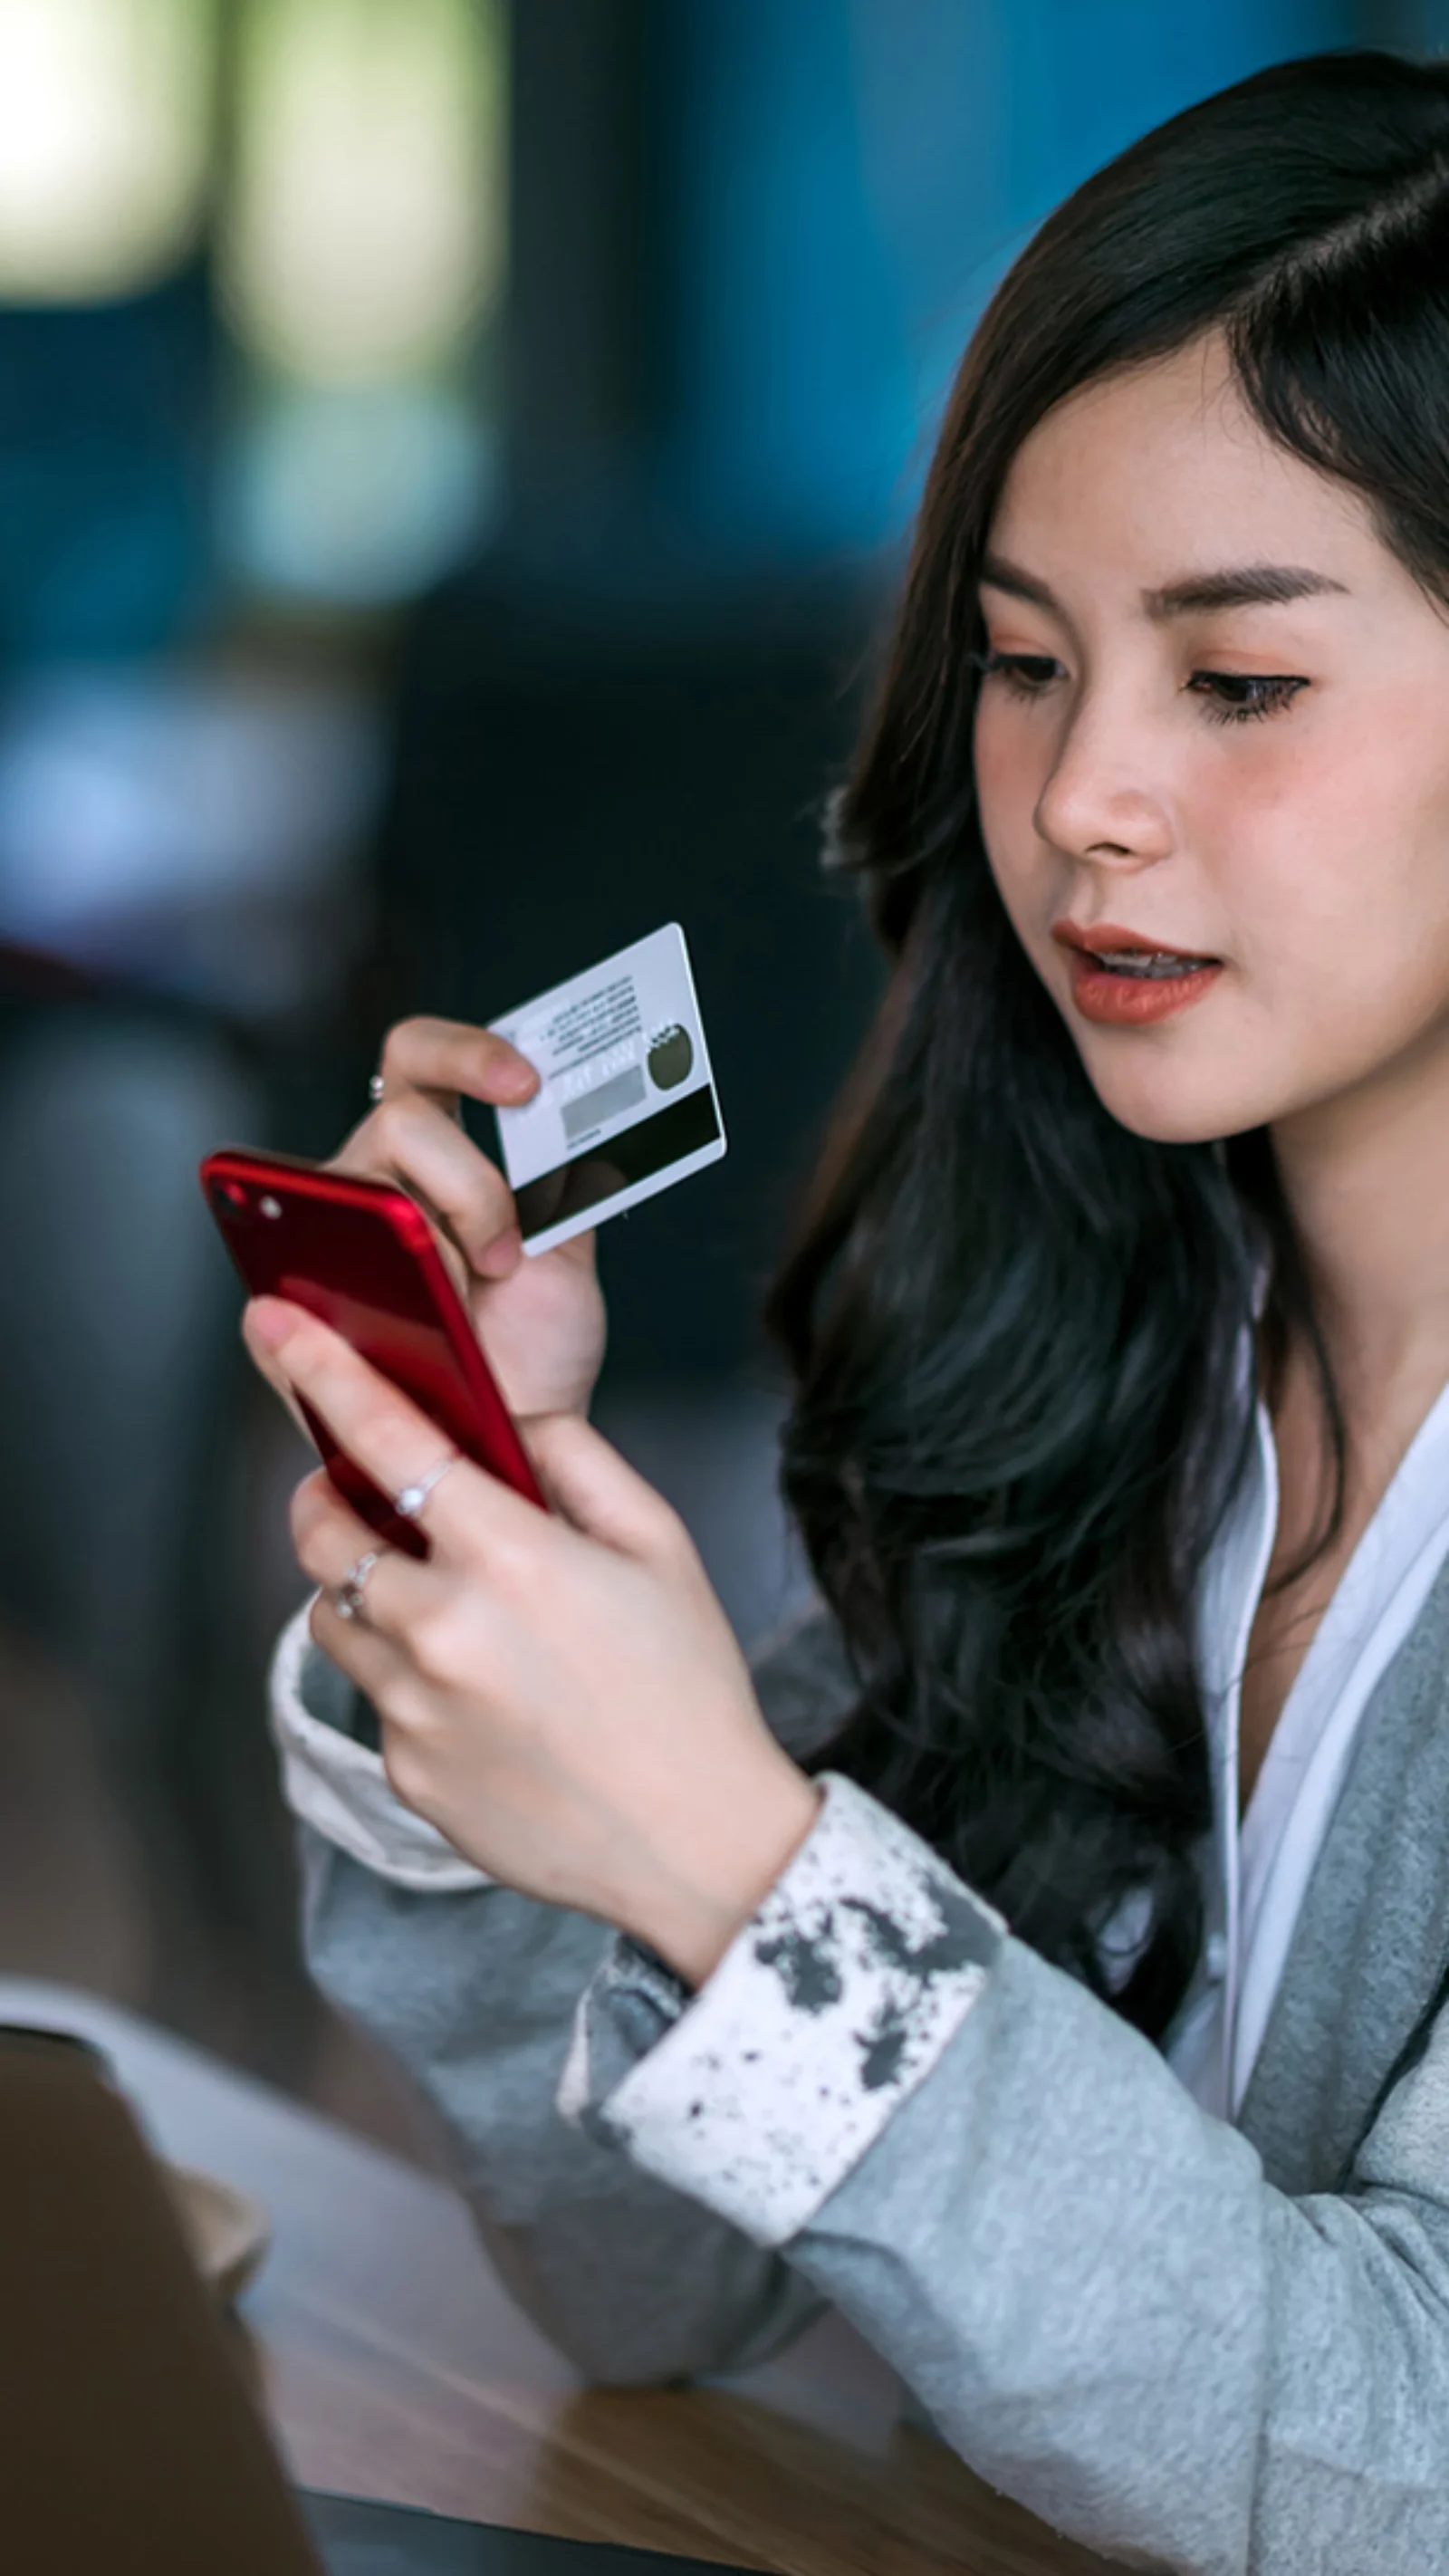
[{"x": 627, "y": 1105}]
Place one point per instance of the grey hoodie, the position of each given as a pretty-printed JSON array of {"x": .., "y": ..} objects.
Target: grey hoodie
[{"x": 1207, "y": 2348}]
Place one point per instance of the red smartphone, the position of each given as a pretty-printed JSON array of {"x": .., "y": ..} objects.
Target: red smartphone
[{"x": 361, "y": 1256}]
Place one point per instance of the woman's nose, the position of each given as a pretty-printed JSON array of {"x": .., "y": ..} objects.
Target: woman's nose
[{"x": 1097, "y": 800}]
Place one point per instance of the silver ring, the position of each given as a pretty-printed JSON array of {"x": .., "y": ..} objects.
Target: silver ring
[
  {"x": 376, "y": 1087},
  {"x": 412, "y": 1498},
  {"x": 353, "y": 1584}
]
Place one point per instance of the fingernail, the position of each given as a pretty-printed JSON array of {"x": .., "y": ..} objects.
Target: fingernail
[{"x": 271, "y": 1325}]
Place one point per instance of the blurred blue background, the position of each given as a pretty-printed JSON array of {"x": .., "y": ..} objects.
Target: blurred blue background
[{"x": 455, "y": 459}]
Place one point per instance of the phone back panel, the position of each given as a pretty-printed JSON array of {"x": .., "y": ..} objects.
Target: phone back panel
[{"x": 361, "y": 1256}]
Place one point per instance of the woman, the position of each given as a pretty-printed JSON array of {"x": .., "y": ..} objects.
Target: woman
[{"x": 1041, "y": 1955}]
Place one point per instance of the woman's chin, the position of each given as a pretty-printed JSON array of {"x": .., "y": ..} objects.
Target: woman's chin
[{"x": 1162, "y": 1117}]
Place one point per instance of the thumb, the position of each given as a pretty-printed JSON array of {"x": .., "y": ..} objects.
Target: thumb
[{"x": 597, "y": 1490}]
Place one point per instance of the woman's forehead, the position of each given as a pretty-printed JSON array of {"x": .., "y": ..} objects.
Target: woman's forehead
[{"x": 1164, "y": 469}]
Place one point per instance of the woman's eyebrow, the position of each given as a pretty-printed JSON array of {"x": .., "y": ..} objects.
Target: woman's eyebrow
[
  {"x": 1261, "y": 585},
  {"x": 998, "y": 574}
]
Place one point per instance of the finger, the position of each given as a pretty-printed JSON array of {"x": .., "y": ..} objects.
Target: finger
[
  {"x": 410, "y": 1140},
  {"x": 448, "y": 1058},
  {"x": 368, "y": 1658},
  {"x": 329, "y": 1541},
  {"x": 598, "y": 1491},
  {"x": 384, "y": 1675},
  {"x": 389, "y": 1438},
  {"x": 264, "y": 1361}
]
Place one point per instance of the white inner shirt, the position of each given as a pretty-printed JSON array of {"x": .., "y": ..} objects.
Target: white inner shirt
[{"x": 1261, "y": 1870}]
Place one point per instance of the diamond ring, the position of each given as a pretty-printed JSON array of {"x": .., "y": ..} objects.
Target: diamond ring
[
  {"x": 412, "y": 1498},
  {"x": 353, "y": 1584},
  {"x": 375, "y": 1087}
]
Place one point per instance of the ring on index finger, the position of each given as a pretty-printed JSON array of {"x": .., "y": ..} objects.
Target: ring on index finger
[{"x": 409, "y": 1503}]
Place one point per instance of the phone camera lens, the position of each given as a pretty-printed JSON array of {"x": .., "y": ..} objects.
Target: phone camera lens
[
  {"x": 270, "y": 1206},
  {"x": 230, "y": 1197}
]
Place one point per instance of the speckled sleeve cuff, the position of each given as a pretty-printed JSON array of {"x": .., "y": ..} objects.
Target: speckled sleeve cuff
[{"x": 759, "y": 2094}]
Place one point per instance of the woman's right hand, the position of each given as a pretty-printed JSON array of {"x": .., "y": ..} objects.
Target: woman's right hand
[{"x": 540, "y": 1321}]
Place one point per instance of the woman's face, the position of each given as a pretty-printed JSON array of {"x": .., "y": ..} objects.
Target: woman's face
[{"x": 1262, "y": 781}]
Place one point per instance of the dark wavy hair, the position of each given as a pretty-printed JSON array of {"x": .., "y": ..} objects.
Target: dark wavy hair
[{"x": 1013, "y": 1325}]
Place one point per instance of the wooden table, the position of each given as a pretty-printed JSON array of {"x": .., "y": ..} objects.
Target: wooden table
[{"x": 393, "y": 2364}]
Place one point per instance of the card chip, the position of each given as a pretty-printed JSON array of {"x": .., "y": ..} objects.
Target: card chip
[{"x": 624, "y": 1092}]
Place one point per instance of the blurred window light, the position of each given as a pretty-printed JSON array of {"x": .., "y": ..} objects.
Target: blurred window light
[
  {"x": 362, "y": 238},
  {"x": 105, "y": 143},
  {"x": 193, "y": 831},
  {"x": 355, "y": 499}
]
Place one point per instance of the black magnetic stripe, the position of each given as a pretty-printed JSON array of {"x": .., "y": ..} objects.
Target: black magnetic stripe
[{"x": 601, "y": 1171}]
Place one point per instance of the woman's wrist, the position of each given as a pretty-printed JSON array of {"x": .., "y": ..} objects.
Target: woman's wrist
[{"x": 690, "y": 1917}]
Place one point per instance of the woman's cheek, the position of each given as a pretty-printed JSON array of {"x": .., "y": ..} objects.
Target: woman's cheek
[
  {"x": 1006, "y": 800},
  {"x": 1010, "y": 769},
  {"x": 992, "y": 762}
]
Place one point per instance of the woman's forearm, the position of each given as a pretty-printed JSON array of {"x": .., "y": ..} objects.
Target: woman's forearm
[
  {"x": 474, "y": 1995},
  {"x": 1087, "y": 2280}
]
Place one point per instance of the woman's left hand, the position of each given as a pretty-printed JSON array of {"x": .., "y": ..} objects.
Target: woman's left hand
[{"x": 559, "y": 1692}]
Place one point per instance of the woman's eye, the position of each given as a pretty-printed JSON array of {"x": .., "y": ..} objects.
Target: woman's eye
[
  {"x": 1025, "y": 674},
  {"x": 1235, "y": 697}
]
